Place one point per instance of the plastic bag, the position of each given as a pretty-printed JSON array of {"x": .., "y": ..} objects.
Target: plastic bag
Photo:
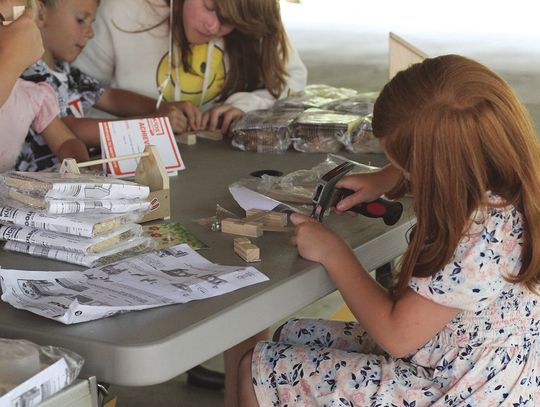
[
  {"x": 70, "y": 243},
  {"x": 264, "y": 130},
  {"x": 316, "y": 95},
  {"x": 87, "y": 225},
  {"x": 121, "y": 251},
  {"x": 296, "y": 189},
  {"x": 361, "y": 104},
  {"x": 29, "y": 374},
  {"x": 362, "y": 140},
  {"x": 322, "y": 131}
]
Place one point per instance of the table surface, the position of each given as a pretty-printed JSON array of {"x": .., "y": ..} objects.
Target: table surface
[{"x": 153, "y": 346}]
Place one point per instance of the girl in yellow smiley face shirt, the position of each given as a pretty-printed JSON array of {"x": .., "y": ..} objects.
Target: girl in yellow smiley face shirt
[{"x": 217, "y": 60}]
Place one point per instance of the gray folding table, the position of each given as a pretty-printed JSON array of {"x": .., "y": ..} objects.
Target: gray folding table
[{"x": 153, "y": 346}]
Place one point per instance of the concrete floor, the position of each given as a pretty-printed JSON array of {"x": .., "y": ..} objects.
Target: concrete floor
[{"x": 344, "y": 43}]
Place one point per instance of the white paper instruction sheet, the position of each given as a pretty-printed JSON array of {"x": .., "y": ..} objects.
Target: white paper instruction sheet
[{"x": 170, "y": 276}]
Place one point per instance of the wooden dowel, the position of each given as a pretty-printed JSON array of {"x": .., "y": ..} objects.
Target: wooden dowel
[{"x": 110, "y": 160}]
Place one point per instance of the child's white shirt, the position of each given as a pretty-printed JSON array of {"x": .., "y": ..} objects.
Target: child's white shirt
[{"x": 136, "y": 61}]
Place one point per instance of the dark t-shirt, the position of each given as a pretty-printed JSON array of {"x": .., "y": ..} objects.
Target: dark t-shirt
[{"x": 77, "y": 93}]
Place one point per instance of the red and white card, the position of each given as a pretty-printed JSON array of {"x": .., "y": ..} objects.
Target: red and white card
[{"x": 125, "y": 137}]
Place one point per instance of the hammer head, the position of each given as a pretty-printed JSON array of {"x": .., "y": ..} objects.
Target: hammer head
[{"x": 325, "y": 195}]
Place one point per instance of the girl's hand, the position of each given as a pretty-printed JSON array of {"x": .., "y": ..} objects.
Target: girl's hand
[
  {"x": 314, "y": 241},
  {"x": 220, "y": 118},
  {"x": 367, "y": 187},
  {"x": 193, "y": 114},
  {"x": 20, "y": 42},
  {"x": 178, "y": 120}
]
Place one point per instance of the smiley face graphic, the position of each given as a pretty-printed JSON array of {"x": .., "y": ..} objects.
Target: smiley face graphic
[{"x": 191, "y": 83}]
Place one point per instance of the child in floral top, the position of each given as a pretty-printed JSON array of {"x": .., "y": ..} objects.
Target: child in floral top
[{"x": 461, "y": 325}]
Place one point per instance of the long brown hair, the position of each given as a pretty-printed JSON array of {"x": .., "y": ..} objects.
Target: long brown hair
[
  {"x": 459, "y": 130},
  {"x": 256, "y": 48}
]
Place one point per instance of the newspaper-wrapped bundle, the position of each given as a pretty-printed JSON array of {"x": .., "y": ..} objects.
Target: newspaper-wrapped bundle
[
  {"x": 87, "y": 225},
  {"x": 122, "y": 250},
  {"x": 70, "y": 243},
  {"x": 56, "y": 193},
  {"x": 97, "y": 221},
  {"x": 322, "y": 131},
  {"x": 264, "y": 130},
  {"x": 58, "y": 206},
  {"x": 76, "y": 186}
]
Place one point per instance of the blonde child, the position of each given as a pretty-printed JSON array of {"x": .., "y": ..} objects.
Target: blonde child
[
  {"x": 220, "y": 58},
  {"x": 23, "y": 104},
  {"x": 461, "y": 326},
  {"x": 66, "y": 27}
]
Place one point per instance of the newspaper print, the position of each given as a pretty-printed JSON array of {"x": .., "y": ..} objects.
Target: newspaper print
[
  {"x": 69, "y": 243},
  {"x": 89, "y": 225},
  {"x": 170, "y": 276},
  {"x": 58, "y": 207},
  {"x": 124, "y": 249},
  {"x": 39, "y": 387},
  {"x": 80, "y": 186}
]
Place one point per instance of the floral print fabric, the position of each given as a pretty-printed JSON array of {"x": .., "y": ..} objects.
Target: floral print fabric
[{"x": 486, "y": 356}]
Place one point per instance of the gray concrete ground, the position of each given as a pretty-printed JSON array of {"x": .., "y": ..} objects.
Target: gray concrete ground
[{"x": 344, "y": 43}]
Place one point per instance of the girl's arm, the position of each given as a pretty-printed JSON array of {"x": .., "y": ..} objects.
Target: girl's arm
[
  {"x": 63, "y": 142},
  {"x": 20, "y": 46},
  {"x": 127, "y": 104},
  {"x": 399, "y": 327}
]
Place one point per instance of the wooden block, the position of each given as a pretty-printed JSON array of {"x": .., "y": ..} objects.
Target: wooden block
[
  {"x": 247, "y": 250},
  {"x": 187, "y": 138},
  {"x": 238, "y": 227},
  {"x": 268, "y": 218},
  {"x": 242, "y": 240},
  {"x": 210, "y": 135},
  {"x": 282, "y": 229}
]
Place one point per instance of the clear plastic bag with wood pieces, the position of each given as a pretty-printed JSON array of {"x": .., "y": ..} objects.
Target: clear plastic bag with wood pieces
[
  {"x": 45, "y": 195},
  {"x": 263, "y": 131},
  {"x": 91, "y": 225},
  {"x": 362, "y": 139},
  {"x": 360, "y": 104},
  {"x": 71, "y": 243},
  {"x": 316, "y": 95},
  {"x": 296, "y": 188},
  {"x": 323, "y": 131}
]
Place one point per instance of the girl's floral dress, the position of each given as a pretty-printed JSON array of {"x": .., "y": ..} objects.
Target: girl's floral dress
[{"x": 487, "y": 355}]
